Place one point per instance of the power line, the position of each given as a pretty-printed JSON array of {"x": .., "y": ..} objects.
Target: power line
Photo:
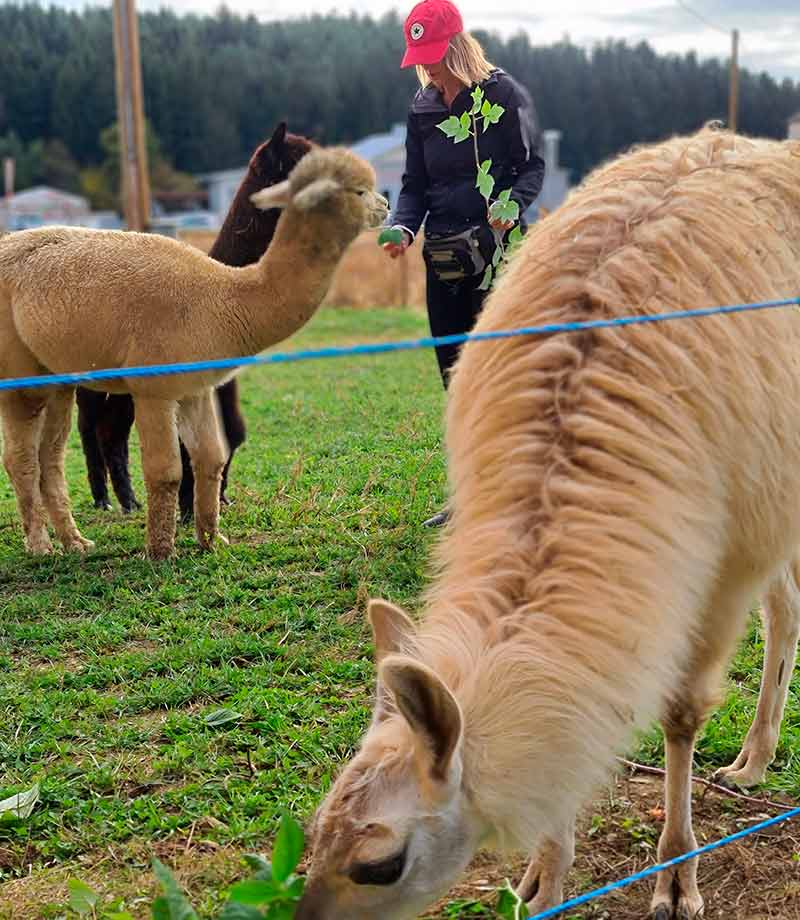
[{"x": 707, "y": 22}]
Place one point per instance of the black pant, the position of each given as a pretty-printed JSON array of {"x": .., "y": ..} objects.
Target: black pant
[{"x": 453, "y": 308}]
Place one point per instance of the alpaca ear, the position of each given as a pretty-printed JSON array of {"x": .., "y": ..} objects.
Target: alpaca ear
[
  {"x": 429, "y": 707},
  {"x": 274, "y": 196},
  {"x": 392, "y": 628},
  {"x": 278, "y": 137},
  {"x": 315, "y": 193}
]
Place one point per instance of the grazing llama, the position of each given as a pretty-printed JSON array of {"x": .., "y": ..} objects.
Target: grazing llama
[
  {"x": 64, "y": 289},
  {"x": 620, "y": 499},
  {"x": 105, "y": 419}
]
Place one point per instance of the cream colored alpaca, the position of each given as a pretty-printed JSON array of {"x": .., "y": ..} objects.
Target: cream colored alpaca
[
  {"x": 620, "y": 499},
  {"x": 74, "y": 299}
]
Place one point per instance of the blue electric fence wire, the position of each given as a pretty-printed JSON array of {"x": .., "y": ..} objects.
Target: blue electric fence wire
[
  {"x": 156, "y": 370},
  {"x": 638, "y": 876}
]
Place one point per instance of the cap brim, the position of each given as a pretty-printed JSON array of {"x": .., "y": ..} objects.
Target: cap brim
[{"x": 427, "y": 53}]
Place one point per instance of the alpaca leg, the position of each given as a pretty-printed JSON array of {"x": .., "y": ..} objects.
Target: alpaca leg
[
  {"x": 676, "y": 893},
  {"x": 23, "y": 418},
  {"x": 200, "y": 431},
  {"x": 542, "y": 886},
  {"x": 161, "y": 463},
  {"x": 89, "y": 408},
  {"x": 781, "y": 616},
  {"x": 53, "y": 486},
  {"x": 233, "y": 425},
  {"x": 186, "y": 492},
  {"x": 114, "y": 430}
]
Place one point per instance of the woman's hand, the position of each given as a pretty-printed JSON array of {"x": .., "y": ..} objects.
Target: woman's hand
[{"x": 497, "y": 224}]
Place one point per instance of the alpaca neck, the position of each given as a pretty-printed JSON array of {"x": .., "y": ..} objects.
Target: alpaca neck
[{"x": 279, "y": 294}]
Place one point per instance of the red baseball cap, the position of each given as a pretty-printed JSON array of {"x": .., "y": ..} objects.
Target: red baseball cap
[{"x": 429, "y": 28}]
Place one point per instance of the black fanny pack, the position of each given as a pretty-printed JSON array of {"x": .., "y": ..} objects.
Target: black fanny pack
[{"x": 455, "y": 256}]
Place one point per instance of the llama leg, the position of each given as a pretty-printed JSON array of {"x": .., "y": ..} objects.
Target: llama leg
[
  {"x": 200, "y": 431},
  {"x": 114, "y": 430},
  {"x": 89, "y": 408},
  {"x": 53, "y": 486},
  {"x": 676, "y": 893},
  {"x": 23, "y": 418},
  {"x": 233, "y": 426},
  {"x": 542, "y": 886},
  {"x": 186, "y": 492},
  {"x": 781, "y": 616},
  {"x": 161, "y": 463}
]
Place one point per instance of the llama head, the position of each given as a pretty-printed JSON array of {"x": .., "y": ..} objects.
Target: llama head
[
  {"x": 397, "y": 828},
  {"x": 273, "y": 160},
  {"x": 331, "y": 182}
]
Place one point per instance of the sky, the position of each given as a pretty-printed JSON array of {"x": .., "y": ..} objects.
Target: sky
[{"x": 769, "y": 29}]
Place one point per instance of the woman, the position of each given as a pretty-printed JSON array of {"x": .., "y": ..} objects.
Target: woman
[{"x": 439, "y": 180}]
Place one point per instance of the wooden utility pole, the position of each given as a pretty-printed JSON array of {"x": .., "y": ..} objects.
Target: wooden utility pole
[
  {"x": 130, "y": 116},
  {"x": 733, "y": 92}
]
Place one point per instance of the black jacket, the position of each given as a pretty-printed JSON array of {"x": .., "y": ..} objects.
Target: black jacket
[{"x": 440, "y": 175}]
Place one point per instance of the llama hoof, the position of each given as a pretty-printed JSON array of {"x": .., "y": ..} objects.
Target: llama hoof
[
  {"x": 41, "y": 546},
  {"x": 76, "y": 543},
  {"x": 132, "y": 506},
  {"x": 735, "y": 779},
  {"x": 687, "y": 907},
  {"x": 160, "y": 551},
  {"x": 224, "y": 500},
  {"x": 103, "y": 504}
]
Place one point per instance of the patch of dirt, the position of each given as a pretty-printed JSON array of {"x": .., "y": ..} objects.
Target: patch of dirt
[{"x": 757, "y": 878}]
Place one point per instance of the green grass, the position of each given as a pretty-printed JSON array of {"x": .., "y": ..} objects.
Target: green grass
[{"x": 110, "y": 665}]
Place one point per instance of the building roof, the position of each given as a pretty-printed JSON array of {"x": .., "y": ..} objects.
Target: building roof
[
  {"x": 41, "y": 194},
  {"x": 375, "y": 145}
]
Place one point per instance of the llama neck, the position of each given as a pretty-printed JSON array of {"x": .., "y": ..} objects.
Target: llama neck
[
  {"x": 555, "y": 667},
  {"x": 279, "y": 294}
]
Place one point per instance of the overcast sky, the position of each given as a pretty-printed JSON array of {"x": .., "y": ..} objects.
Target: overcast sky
[{"x": 770, "y": 29}]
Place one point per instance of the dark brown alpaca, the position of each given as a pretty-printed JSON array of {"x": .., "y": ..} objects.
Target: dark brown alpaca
[{"x": 105, "y": 420}]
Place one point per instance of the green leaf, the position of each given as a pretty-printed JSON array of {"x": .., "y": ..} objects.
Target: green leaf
[
  {"x": 485, "y": 166},
  {"x": 486, "y": 108},
  {"x": 256, "y": 891},
  {"x": 236, "y": 911},
  {"x": 260, "y": 865},
  {"x": 118, "y": 915},
  {"x": 485, "y": 185},
  {"x": 477, "y": 100},
  {"x": 178, "y": 908},
  {"x": 505, "y": 195},
  {"x": 295, "y": 887},
  {"x": 280, "y": 912},
  {"x": 465, "y": 121},
  {"x": 492, "y": 115},
  {"x": 516, "y": 236},
  {"x": 218, "y": 717},
  {"x": 391, "y": 235},
  {"x": 160, "y": 909},
  {"x": 288, "y": 848},
  {"x": 487, "y": 279},
  {"x": 504, "y": 210},
  {"x": 21, "y": 804},
  {"x": 509, "y": 904},
  {"x": 451, "y": 126},
  {"x": 82, "y": 899},
  {"x": 498, "y": 255}
]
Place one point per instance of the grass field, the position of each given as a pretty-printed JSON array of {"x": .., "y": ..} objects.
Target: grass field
[{"x": 175, "y": 708}]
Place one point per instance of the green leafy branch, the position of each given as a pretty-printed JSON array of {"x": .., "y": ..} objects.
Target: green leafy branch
[
  {"x": 271, "y": 893},
  {"x": 461, "y": 128}
]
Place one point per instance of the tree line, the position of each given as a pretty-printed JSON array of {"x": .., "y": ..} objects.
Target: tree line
[{"x": 215, "y": 86}]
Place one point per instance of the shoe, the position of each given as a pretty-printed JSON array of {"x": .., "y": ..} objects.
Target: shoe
[{"x": 438, "y": 520}]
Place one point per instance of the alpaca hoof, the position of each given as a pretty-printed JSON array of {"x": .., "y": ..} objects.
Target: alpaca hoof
[
  {"x": 76, "y": 543},
  {"x": 160, "y": 551},
  {"x": 224, "y": 500},
  {"x": 131, "y": 506},
  {"x": 102, "y": 504}
]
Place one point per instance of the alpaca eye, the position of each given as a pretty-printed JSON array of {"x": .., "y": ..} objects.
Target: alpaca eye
[{"x": 386, "y": 872}]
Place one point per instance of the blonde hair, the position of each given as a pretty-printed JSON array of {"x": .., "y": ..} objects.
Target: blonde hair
[{"x": 465, "y": 59}]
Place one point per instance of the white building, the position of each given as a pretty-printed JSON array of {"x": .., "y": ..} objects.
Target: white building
[{"x": 41, "y": 205}]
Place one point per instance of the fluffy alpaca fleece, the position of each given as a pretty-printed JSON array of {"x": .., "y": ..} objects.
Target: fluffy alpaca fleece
[
  {"x": 63, "y": 291},
  {"x": 620, "y": 498},
  {"x": 105, "y": 420}
]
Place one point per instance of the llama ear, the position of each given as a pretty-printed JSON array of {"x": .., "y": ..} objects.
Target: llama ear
[
  {"x": 274, "y": 196},
  {"x": 392, "y": 628},
  {"x": 428, "y": 706},
  {"x": 315, "y": 193}
]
